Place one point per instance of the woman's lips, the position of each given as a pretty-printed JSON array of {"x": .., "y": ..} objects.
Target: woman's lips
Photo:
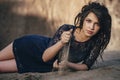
[{"x": 89, "y": 32}]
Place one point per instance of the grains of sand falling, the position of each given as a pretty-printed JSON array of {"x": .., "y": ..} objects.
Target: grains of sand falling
[{"x": 64, "y": 57}]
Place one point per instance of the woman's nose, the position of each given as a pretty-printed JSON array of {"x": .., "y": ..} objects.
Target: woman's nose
[{"x": 92, "y": 26}]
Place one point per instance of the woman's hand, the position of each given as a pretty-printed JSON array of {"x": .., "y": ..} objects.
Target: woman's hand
[
  {"x": 65, "y": 37},
  {"x": 66, "y": 64},
  {"x": 62, "y": 64},
  {"x": 55, "y": 64}
]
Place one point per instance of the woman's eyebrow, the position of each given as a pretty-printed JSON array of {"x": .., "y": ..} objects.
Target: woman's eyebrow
[{"x": 88, "y": 18}]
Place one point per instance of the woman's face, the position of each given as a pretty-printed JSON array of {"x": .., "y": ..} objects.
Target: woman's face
[{"x": 90, "y": 25}]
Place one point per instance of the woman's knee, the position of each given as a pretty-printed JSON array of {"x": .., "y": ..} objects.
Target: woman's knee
[
  {"x": 7, "y": 53},
  {"x": 8, "y": 66}
]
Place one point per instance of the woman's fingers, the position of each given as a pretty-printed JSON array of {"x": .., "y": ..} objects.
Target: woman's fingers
[
  {"x": 66, "y": 35},
  {"x": 71, "y": 30},
  {"x": 63, "y": 64},
  {"x": 55, "y": 64}
]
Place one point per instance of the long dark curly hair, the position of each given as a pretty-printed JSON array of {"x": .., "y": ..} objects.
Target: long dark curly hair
[{"x": 102, "y": 38}]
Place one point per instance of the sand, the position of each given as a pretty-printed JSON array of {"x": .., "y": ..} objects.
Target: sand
[{"x": 109, "y": 69}]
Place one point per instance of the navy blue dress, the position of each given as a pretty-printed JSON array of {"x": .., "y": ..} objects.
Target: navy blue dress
[{"x": 28, "y": 51}]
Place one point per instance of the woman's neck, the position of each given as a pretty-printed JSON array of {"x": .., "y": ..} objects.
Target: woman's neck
[{"x": 80, "y": 36}]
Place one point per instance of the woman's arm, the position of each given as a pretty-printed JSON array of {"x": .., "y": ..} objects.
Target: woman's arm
[
  {"x": 50, "y": 52},
  {"x": 75, "y": 66}
]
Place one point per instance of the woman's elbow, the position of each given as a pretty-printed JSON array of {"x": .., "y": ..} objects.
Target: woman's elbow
[
  {"x": 85, "y": 67},
  {"x": 44, "y": 58}
]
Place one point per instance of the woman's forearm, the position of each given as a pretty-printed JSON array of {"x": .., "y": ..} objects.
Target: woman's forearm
[
  {"x": 50, "y": 52},
  {"x": 76, "y": 66},
  {"x": 53, "y": 50}
]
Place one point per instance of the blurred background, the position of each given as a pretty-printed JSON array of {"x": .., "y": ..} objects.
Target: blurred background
[{"x": 23, "y": 17}]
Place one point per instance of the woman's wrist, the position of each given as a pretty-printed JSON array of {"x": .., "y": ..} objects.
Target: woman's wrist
[
  {"x": 68, "y": 63},
  {"x": 61, "y": 42}
]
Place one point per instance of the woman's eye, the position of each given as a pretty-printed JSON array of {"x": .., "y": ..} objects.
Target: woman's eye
[
  {"x": 89, "y": 21},
  {"x": 97, "y": 24}
]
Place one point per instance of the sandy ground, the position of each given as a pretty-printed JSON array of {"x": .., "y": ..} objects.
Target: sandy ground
[{"x": 109, "y": 69}]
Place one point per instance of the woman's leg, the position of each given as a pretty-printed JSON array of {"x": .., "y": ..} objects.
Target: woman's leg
[
  {"x": 8, "y": 66},
  {"x": 7, "y": 53},
  {"x": 7, "y": 61}
]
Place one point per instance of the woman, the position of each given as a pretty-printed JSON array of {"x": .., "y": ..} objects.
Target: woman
[{"x": 88, "y": 38}]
